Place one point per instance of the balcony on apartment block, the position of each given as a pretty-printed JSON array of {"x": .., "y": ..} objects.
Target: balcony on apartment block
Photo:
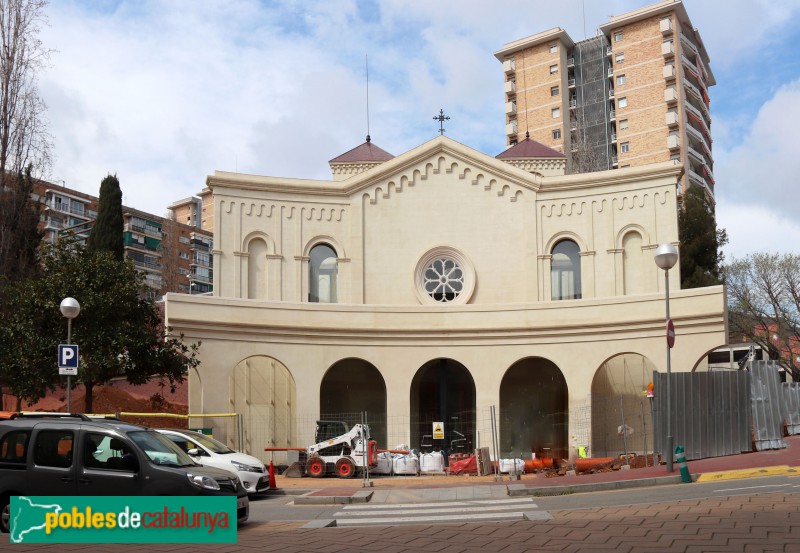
[
  {"x": 199, "y": 245},
  {"x": 142, "y": 229},
  {"x": 672, "y": 118},
  {"x": 673, "y": 141},
  {"x": 697, "y": 116},
  {"x": 509, "y": 66},
  {"x": 698, "y": 179},
  {"x": 72, "y": 209},
  {"x": 698, "y": 136}
]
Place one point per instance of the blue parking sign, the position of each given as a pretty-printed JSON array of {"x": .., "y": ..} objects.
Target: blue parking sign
[{"x": 68, "y": 358}]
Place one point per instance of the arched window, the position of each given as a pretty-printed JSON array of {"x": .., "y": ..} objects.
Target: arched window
[
  {"x": 257, "y": 269},
  {"x": 632, "y": 263},
  {"x": 565, "y": 271},
  {"x": 322, "y": 275}
]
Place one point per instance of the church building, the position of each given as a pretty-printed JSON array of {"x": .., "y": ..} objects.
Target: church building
[{"x": 443, "y": 285}]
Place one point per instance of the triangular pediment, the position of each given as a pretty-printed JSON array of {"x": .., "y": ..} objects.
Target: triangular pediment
[
  {"x": 440, "y": 155},
  {"x": 443, "y": 156}
]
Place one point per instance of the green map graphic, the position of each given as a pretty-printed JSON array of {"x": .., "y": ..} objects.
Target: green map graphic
[{"x": 28, "y": 517}]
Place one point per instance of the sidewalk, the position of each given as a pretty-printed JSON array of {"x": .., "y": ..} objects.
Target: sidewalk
[{"x": 410, "y": 489}]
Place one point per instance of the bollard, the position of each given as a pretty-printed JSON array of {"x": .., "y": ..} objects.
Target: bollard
[
  {"x": 272, "y": 484},
  {"x": 680, "y": 458}
]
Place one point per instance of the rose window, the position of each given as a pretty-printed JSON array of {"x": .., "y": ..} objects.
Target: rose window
[{"x": 443, "y": 279}]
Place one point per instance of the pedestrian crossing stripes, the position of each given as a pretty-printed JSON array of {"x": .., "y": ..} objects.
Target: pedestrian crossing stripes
[{"x": 451, "y": 512}]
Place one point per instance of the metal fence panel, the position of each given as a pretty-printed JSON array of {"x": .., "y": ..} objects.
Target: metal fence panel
[
  {"x": 791, "y": 406},
  {"x": 710, "y": 413},
  {"x": 765, "y": 393}
]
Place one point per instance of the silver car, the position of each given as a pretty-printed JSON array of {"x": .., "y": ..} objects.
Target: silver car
[{"x": 211, "y": 453}]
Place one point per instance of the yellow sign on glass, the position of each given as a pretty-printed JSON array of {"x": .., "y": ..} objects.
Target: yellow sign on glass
[{"x": 438, "y": 431}]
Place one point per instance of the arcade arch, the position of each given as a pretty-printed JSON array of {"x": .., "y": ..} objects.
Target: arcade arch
[
  {"x": 443, "y": 390},
  {"x": 263, "y": 392},
  {"x": 621, "y": 413},
  {"x": 351, "y": 386},
  {"x": 534, "y": 410}
]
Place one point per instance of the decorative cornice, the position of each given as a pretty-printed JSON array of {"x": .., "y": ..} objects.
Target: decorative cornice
[
  {"x": 369, "y": 178},
  {"x": 697, "y": 311}
]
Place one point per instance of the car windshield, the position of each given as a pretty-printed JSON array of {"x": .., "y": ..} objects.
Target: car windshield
[
  {"x": 210, "y": 443},
  {"x": 160, "y": 450}
]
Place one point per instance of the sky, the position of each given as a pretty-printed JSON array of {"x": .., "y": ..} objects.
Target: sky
[{"x": 163, "y": 93}]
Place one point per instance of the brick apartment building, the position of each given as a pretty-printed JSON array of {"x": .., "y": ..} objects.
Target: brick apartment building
[
  {"x": 174, "y": 257},
  {"x": 635, "y": 94}
]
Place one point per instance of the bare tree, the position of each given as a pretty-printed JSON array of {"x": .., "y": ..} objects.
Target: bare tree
[
  {"x": 24, "y": 142},
  {"x": 764, "y": 305},
  {"x": 583, "y": 155},
  {"x": 169, "y": 248},
  {"x": 24, "y": 139}
]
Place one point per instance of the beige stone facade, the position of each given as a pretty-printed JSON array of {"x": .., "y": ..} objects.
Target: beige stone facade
[{"x": 450, "y": 288}]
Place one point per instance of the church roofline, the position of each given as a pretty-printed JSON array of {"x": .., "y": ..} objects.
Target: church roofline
[{"x": 441, "y": 144}]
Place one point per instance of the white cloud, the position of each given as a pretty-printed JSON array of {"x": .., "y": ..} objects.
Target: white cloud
[
  {"x": 741, "y": 29},
  {"x": 163, "y": 93},
  {"x": 754, "y": 229},
  {"x": 763, "y": 169}
]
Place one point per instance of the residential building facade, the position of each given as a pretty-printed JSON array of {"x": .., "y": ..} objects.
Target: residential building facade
[
  {"x": 174, "y": 257},
  {"x": 635, "y": 94}
]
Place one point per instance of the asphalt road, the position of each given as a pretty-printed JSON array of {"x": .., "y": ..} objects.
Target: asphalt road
[
  {"x": 733, "y": 516},
  {"x": 280, "y": 508}
]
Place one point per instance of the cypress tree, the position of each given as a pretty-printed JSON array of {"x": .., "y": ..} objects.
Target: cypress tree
[
  {"x": 701, "y": 258},
  {"x": 19, "y": 233},
  {"x": 107, "y": 229}
]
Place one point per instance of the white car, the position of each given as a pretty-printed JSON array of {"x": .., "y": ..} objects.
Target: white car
[{"x": 208, "y": 452}]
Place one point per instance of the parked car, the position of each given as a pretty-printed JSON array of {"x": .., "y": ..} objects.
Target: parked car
[
  {"x": 212, "y": 453},
  {"x": 75, "y": 455}
]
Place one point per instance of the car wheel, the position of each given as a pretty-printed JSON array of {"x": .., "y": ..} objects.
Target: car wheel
[
  {"x": 315, "y": 467},
  {"x": 345, "y": 468},
  {"x": 5, "y": 514}
]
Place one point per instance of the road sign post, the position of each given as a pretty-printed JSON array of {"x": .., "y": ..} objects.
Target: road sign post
[
  {"x": 68, "y": 359},
  {"x": 70, "y": 309},
  {"x": 670, "y": 334}
]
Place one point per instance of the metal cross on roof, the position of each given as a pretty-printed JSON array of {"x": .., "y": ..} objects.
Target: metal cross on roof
[{"x": 441, "y": 118}]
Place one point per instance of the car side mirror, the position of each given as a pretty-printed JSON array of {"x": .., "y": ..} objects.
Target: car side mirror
[{"x": 194, "y": 452}]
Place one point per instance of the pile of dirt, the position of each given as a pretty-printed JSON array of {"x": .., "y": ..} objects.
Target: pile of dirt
[{"x": 110, "y": 400}]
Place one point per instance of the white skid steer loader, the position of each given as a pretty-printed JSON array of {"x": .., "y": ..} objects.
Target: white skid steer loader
[{"x": 343, "y": 455}]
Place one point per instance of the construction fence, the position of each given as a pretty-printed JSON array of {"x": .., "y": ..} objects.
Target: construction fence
[
  {"x": 712, "y": 414},
  {"x": 727, "y": 412}
]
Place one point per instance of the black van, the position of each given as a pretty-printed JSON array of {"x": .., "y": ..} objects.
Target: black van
[{"x": 76, "y": 455}]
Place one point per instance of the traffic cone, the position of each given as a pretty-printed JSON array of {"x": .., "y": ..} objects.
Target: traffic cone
[
  {"x": 272, "y": 484},
  {"x": 680, "y": 457}
]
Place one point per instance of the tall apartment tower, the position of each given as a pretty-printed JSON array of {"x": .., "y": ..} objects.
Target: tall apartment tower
[{"x": 635, "y": 94}]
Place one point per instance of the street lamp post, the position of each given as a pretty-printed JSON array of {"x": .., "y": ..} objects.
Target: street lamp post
[
  {"x": 666, "y": 257},
  {"x": 70, "y": 309}
]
